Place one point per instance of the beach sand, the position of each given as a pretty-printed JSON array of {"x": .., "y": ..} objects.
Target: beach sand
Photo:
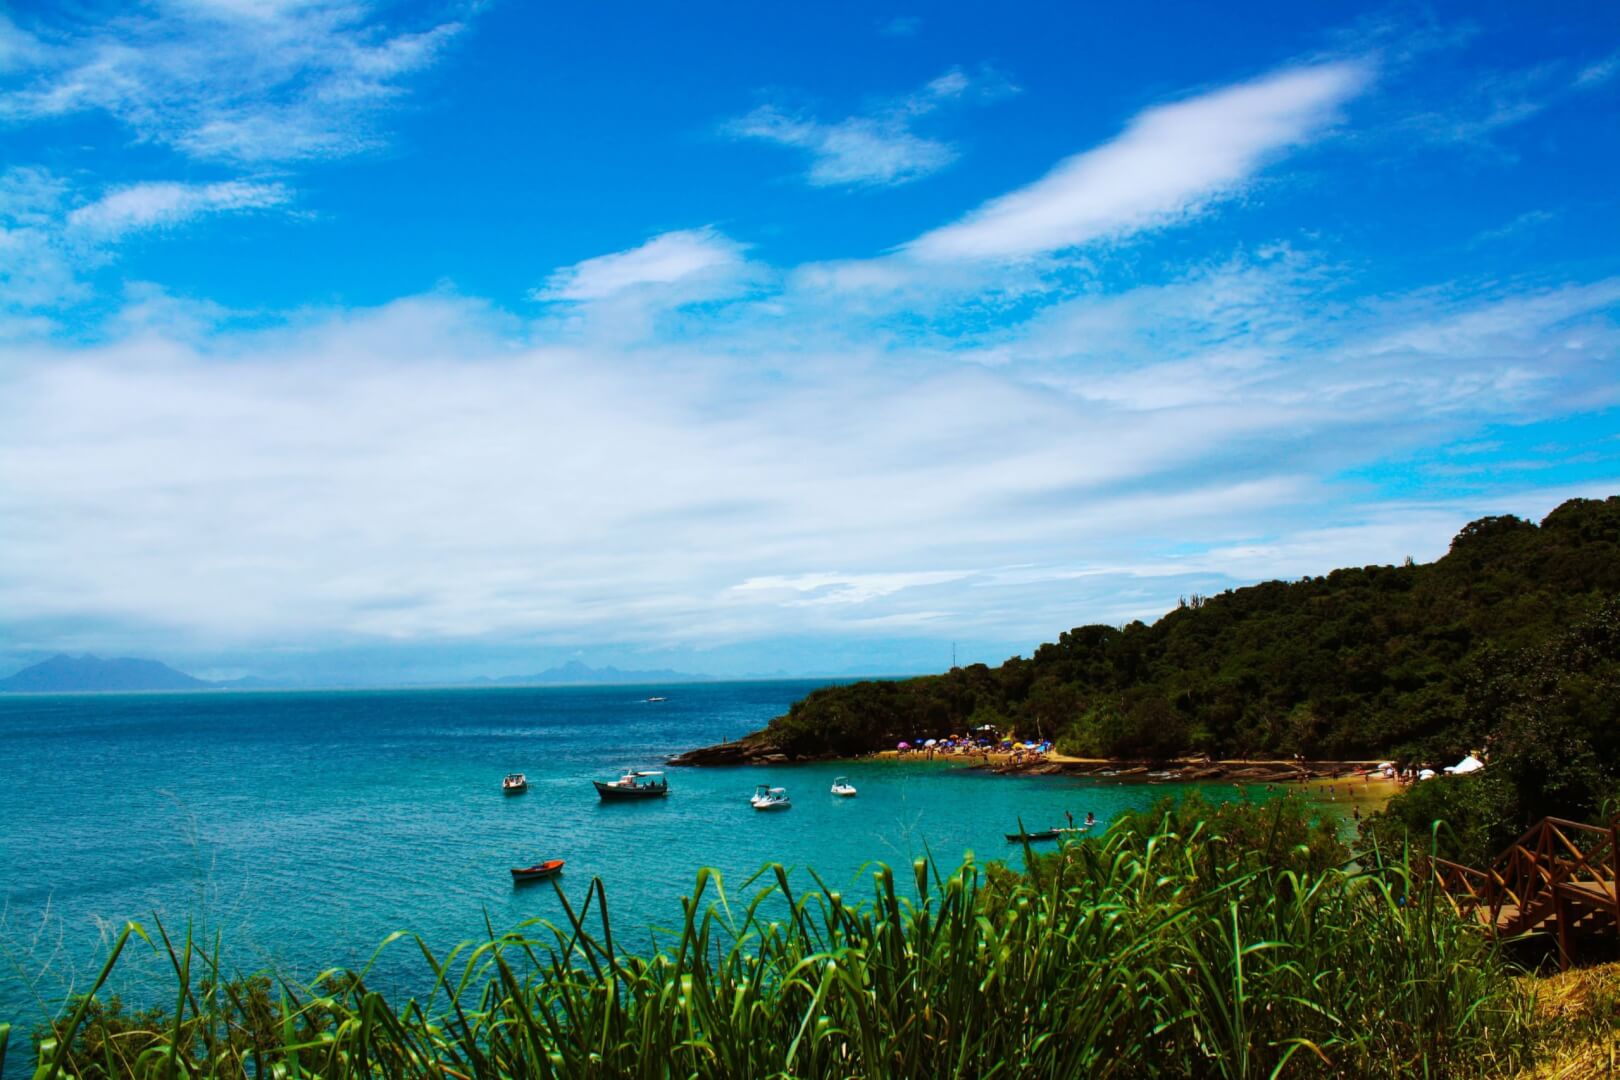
[{"x": 1345, "y": 783}]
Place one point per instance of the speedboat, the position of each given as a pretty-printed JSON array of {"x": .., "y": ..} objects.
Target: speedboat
[
  {"x": 515, "y": 783},
  {"x": 634, "y": 784},
  {"x": 770, "y": 798},
  {"x": 539, "y": 870},
  {"x": 842, "y": 786}
]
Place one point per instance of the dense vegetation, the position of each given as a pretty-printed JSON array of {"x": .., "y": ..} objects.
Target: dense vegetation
[
  {"x": 1381, "y": 660},
  {"x": 1189, "y": 941},
  {"x": 1550, "y": 717}
]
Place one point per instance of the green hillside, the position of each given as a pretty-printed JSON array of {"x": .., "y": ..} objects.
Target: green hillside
[{"x": 1360, "y": 662}]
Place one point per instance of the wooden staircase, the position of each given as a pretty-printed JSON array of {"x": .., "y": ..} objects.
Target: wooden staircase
[{"x": 1559, "y": 878}]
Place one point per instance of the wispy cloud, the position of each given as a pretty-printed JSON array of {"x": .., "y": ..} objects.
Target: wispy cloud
[
  {"x": 50, "y": 235},
  {"x": 1595, "y": 75},
  {"x": 878, "y": 147},
  {"x": 690, "y": 264},
  {"x": 1171, "y": 161},
  {"x": 236, "y": 82},
  {"x": 166, "y": 204}
]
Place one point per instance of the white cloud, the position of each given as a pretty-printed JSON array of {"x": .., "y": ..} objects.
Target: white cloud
[
  {"x": 694, "y": 263},
  {"x": 235, "y": 82},
  {"x": 1170, "y": 162},
  {"x": 876, "y": 148},
  {"x": 835, "y": 588},
  {"x": 18, "y": 48},
  {"x": 164, "y": 204},
  {"x": 50, "y": 238},
  {"x": 420, "y": 473},
  {"x": 1595, "y": 75}
]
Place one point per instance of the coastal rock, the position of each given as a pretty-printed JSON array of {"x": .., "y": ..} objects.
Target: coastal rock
[{"x": 741, "y": 752}]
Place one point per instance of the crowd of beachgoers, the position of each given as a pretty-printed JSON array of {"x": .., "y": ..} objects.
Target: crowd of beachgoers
[{"x": 984, "y": 746}]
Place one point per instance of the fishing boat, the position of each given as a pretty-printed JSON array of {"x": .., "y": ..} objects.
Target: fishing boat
[
  {"x": 842, "y": 786},
  {"x": 634, "y": 784},
  {"x": 539, "y": 870},
  {"x": 1042, "y": 834},
  {"x": 515, "y": 783},
  {"x": 770, "y": 798}
]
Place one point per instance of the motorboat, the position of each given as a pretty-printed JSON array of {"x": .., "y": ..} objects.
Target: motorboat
[
  {"x": 549, "y": 868},
  {"x": 770, "y": 798},
  {"x": 655, "y": 699},
  {"x": 842, "y": 786},
  {"x": 515, "y": 783},
  {"x": 634, "y": 784}
]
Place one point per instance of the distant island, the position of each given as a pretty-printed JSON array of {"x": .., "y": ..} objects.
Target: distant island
[
  {"x": 69, "y": 674},
  {"x": 63, "y": 674}
]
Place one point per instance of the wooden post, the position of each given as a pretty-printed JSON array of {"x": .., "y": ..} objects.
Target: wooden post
[{"x": 1561, "y": 923}]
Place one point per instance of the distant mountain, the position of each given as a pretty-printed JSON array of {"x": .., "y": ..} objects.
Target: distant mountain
[
  {"x": 63, "y": 673},
  {"x": 578, "y": 674}
]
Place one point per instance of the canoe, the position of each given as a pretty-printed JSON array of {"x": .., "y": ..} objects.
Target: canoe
[
  {"x": 1044, "y": 834},
  {"x": 538, "y": 870}
]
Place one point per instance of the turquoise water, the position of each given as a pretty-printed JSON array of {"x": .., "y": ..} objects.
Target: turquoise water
[{"x": 305, "y": 827}]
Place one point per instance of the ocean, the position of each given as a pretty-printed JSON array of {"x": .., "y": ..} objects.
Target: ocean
[{"x": 300, "y": 829}]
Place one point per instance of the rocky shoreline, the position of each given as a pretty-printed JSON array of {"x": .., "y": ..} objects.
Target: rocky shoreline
[{"x": 751, "y": 751}]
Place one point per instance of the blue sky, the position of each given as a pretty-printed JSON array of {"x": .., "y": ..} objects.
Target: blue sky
[{"x": 413, "y": 342}]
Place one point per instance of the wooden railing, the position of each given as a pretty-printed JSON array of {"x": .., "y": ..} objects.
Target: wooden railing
[{"x": 1556, "y": 866}]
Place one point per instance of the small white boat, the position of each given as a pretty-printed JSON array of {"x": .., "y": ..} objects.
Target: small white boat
[
  {"x": 770, "y": 798},
  {"x": 842, "y": 786},
  {"x": 515, "y": 783}
]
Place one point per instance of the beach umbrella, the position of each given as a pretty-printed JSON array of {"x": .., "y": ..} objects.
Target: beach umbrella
[
  {"x": 930, "y": 742},
  {"x": 904, "y": 746}
]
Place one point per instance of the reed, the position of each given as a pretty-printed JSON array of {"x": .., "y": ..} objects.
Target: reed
[{"x": 1149, "y": 951}]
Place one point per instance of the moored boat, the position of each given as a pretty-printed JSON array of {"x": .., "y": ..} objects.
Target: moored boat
[
  {"x": 515, "y": 783},
  {"x": 1041, "y": 834},
  {"x": 634, "y": 784},
  {"x": 539, "y": 870},
  {"x": 770, "y": 798},
  {"x": 842, "y": 786}
]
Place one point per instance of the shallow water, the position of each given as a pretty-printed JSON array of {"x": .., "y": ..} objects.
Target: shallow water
[{"x": 304, "y": 827}]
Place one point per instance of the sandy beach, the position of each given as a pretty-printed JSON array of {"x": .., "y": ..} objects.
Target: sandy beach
[{"x": 1353, "y": 783}]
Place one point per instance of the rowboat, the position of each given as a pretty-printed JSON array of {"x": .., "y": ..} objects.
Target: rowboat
[
  {"x": 538, "y": 870},
  {"x": 634, "y": 784},
  {"x": 770, "y": 798},
  {"x": 1043, "y": 834},
  {"x": 842, "y": 786},
  {"x": 515, "y": 783}
]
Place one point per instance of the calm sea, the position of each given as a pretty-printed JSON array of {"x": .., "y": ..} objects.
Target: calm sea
[{"x": 305, "y": 827}]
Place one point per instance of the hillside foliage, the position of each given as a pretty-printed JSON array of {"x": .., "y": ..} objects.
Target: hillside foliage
[{"x": 1404, "y": 661}]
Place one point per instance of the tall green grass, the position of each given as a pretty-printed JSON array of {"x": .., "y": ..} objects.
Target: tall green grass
[{"x": 1160, "y": 949}]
